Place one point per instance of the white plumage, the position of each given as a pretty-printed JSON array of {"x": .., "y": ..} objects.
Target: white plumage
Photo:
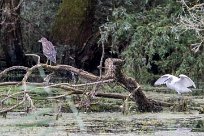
[{"x": 180, "y": 85}]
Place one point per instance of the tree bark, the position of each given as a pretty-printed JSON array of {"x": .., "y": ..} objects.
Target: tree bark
[
  {"x": 113, "y": 70},
  {"x": 11, "y": 33},
  {"x": 144, "y": 104},
  {"x": 76, "y": 25},
  {"x": 72, "y": 27}
]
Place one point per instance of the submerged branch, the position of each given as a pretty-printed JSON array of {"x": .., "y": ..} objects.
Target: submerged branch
[
  {"x": 13, "y": 107},
  {"x": 98, "y": 94},
  {"x": 13, "y": 68}
]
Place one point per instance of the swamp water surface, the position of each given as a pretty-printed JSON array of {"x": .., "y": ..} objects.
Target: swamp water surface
[
  {"x": 102, "y": 123},
  {"x": 43, "y": 122}
]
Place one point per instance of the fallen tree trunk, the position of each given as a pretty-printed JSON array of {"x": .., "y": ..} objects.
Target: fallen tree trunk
[
  {"x": 113, "y": 72},
  {"x": 144, "y": 104}
]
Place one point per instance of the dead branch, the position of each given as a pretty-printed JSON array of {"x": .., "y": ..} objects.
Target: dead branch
[
  {"x": 78, "y": 91},
  {"x": 20, "y": 83},
  {"x": 101, "y": 61},
  {"x": 85, "y": 84},
  {"x": 11, "y": 95},
  {"x": 109, "y": 74},
  {"x": 107, "y": 95},
  {"x": 6, "y": 95},
  {"x": 197, "y": 6},
  {"x": 193, "y": 20},
  {"x": 93, "y": 83},
  {"x": 13, "y": 68},
  {"x": 18, "y": 6},
  {"x": 144, "y": 104},
  {"x": 13, "y": 107},
  {"x": 113, "y": 72},
  {"x": 60, "y": 96},
  {"x": 35, "y": 55},
  {"x": 30, "y": 104},
  {"x": 26, "y": 98}
]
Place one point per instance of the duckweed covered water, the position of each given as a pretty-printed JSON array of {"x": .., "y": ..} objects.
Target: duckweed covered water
[
  {"x": 41, "y": 122},
  {"x": 45, "y": 121}
]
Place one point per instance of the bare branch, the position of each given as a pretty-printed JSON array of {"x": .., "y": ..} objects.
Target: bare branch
[
  {"x": 98, "y": 94},
  {"x": 30, "y": 101},
  {"x": 18, "y": 6},
  {"x": 60, "y": 96},
  {"x": 53, "y": 85},
  {"x": 81, "y": 85},
  {"x": 20, "y": 83},
  {"x": 13, "y": 107},
  {"x": 13, "y": 68},
  {"x": 197, "y": 6},
  {"x": 101, "y": 61},
  {"x": 113, "y": 72},
  {"x": 35, "y": 55},
  {"x": 11, "y": 95},
  {"x": 109, "y": 73},
  {"x": 193, "y": 20}
]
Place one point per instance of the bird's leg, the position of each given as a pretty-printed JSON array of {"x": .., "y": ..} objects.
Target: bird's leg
[
  {"x": 179, "y": 98},
  {"x": 182, "y": 103},
  {"x": 179, "y": 107},
  {"x": 185, "y": 104}
]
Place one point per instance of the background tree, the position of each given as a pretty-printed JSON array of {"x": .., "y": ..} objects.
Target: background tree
[
  {"x": 137, "y": 32},
  {"x": 150, "y": 43},
  {"x": 77, "y": 25},
  {"x": 11, "y": 35}
]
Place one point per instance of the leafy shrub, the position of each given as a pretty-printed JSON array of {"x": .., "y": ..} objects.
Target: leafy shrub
[{"x": 150, "y": 43}]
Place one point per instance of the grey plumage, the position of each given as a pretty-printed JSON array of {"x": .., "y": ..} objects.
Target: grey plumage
[{"x": 48, "y": 49}]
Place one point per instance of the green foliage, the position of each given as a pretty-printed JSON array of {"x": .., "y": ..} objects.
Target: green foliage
[{"x": 150, "y": 33}]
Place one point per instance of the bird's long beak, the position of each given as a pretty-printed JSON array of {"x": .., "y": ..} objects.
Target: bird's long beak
[{"x": 39, "y": 41}]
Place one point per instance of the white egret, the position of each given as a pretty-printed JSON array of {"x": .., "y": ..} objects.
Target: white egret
[{"x": 180, "y": 85}]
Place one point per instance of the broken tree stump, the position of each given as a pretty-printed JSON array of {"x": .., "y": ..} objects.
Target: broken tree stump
[{"x": 144, "y": 104}]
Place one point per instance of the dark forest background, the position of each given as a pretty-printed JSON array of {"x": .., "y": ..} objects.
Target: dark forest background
[{"x": 154, "y": 37}]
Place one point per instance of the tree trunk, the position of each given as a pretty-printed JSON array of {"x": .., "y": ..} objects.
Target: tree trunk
[
  {"x": 144, "y": 104},
  {"x": 77, "y": 26},
  {"x": 11, "y": 33},
  {"x": 72, "y": 27}
]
